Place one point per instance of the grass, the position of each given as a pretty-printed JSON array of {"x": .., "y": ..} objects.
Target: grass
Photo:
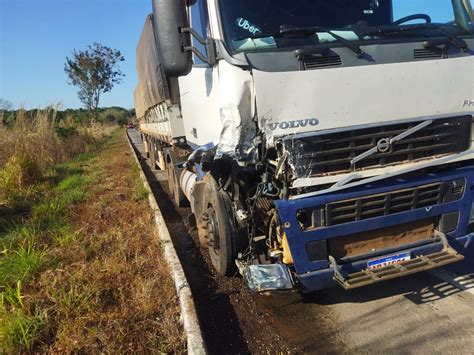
[
  {"x": 41, "y": 179},
  {"x": 70, "y": 301},
  {"x": 20, "y": 327},
  {"x": 20, "y": 263},
  {"x": 33, "y": 147},
  {"x": 25, "y": 254},
  {"x": 80, "y": 270},
  {"x": 140, "y": 193}
]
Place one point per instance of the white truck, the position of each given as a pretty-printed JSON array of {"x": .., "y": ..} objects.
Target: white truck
[{"x": 318, "y": 142}]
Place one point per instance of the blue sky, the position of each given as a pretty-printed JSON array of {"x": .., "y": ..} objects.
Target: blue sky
[{"x": 37, "y": 35}]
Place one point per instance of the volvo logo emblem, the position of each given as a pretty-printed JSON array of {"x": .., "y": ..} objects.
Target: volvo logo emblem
[
  {"x": 293, "y": 124},
  {"x": 383, "y": 145}
]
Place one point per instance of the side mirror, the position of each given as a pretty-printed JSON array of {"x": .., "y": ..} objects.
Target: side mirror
[{"x": 169, "y": 18}]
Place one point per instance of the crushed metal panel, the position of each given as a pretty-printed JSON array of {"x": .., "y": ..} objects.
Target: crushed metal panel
[
  {"x": 370, "y": 147},
  {"x": 384, "y": 174},
  {"x": 272, "y": 277},
  {"x": 236, "y": 112}
]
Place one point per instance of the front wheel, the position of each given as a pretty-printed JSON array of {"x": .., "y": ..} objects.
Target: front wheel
[{"x": 219, "y": 231}]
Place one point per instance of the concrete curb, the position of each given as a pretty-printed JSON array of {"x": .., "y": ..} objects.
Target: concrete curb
[{"x": 192, "y": 329}]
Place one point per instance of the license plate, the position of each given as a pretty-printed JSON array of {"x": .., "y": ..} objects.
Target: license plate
[{"x": 388, "y": 260}]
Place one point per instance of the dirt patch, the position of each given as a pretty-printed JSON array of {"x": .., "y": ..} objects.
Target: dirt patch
[{"x": 109, "y": 289}]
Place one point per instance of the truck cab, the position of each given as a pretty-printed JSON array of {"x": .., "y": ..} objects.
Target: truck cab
[{"x": 326, "y": 142}]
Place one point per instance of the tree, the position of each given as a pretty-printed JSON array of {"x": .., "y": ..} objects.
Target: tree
[
  {"x": 5, "y": 108},
  {"x": 5, "y": 105},
  {"x": 94, "y": 71}
]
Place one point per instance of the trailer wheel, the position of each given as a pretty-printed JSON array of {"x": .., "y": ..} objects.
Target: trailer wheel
[
  {"x": 173, "y": 184},
  {"x": 218, "y": 227},
  {"x": 152, "y": 155}
]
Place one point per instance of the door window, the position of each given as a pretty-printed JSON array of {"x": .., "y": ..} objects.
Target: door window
[{"x": 200, "y": 23}]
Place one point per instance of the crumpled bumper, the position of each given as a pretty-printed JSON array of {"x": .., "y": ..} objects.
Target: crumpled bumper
[{"x": 314, "y": 270}]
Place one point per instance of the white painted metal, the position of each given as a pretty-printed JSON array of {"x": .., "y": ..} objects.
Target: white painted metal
[
  {"x": 345, "y": 97},
  {"x": 199, "y": 92},
  {"x": 208, "y": 94}
]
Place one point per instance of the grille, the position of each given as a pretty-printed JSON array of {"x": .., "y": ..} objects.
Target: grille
[
  {"x": 428, "y": 53},
  {"x": 332, "y": 153},
  {"x": 322, "y": 62},
  {"x": 371, "y": 206}
]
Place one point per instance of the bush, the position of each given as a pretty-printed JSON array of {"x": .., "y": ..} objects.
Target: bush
[
  {"x": 66, "y": 132},
  {"x": 122, "y": 121}
]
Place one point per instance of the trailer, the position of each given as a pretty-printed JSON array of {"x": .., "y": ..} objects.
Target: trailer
[{"x": 318, "y": 143}]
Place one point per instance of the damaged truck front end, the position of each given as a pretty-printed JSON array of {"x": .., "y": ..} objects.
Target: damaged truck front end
[
  {"x": 378, "y": 231},
  {"x": 330, "y": 142}
]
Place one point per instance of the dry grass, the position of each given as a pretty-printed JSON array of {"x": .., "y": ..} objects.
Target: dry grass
[
  {"x": 106, "y": 287},
  {"x": 30, "y": 150},
  {"x": 80, "y": 270}
]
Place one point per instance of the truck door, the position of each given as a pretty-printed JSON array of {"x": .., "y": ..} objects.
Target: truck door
[{"x": 199, "y": 89}]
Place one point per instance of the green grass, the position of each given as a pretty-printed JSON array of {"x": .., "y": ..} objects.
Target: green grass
[
  {"x": 19, "y": 328},
  {"x": 64, "y": 235},
  {"x": 19, "y": 264},
  {"x": 140, "y": 193},
  {"x": 19, "y": 233},
  {"x": 70, "y": 301},
  {"x": 24, "y": 243}
]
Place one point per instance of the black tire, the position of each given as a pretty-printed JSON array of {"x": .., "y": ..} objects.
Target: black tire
[
  {"x": 220, "y": 231},
  {"x": 173, "y": 185}
]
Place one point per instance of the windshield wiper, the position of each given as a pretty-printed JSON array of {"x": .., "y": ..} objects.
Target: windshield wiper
[
  {"x": 286, "y": 31},
  {"x": 454, "y": 39}
]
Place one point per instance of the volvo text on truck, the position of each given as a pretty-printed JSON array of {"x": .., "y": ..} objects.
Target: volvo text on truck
[{"x": 318, "y": 142}]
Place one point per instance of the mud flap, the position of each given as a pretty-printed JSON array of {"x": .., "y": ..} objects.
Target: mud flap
[{"x": 421, "y": 263}]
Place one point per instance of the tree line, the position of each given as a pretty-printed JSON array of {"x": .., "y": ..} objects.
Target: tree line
[{"x": 82, "y": 116}]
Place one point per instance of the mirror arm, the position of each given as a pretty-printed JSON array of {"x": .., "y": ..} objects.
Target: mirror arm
[
  {"x": 194, "y": 34},
  {"x": 197, "y": 53},
  {"x": 211, "y": 57}
]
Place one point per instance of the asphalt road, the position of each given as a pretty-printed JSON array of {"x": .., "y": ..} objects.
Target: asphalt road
[{"x": 430, "y": 312}]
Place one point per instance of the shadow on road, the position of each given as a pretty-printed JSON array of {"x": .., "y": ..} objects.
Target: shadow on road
[{"x": 420, "y": 288}]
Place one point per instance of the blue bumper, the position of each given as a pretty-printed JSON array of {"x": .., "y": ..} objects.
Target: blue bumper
[{"x": 316, "y": 273}]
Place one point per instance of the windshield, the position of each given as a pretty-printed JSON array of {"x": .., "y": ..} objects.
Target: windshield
[{"x": 245, "y": 19}]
